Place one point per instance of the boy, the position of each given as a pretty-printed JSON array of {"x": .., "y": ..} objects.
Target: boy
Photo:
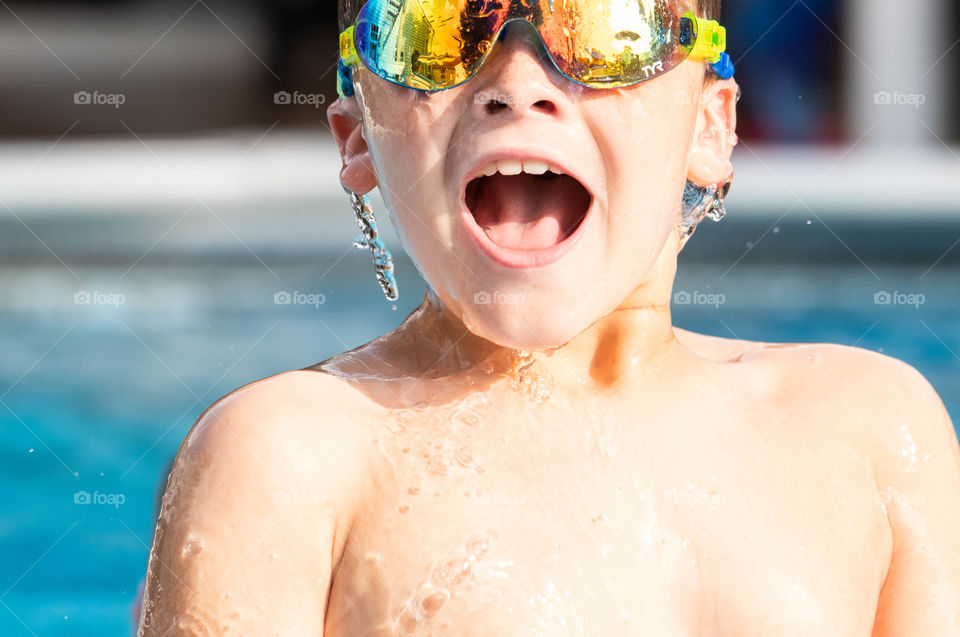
[{"x": 565, "y": 462}]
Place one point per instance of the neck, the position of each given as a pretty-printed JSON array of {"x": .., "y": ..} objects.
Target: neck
[{"x": 630, "y": 342}]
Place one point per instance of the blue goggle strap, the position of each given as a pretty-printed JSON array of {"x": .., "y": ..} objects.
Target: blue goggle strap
[
  {"x": 723, "y": 67},
  {"x": 344, "y": 79}
]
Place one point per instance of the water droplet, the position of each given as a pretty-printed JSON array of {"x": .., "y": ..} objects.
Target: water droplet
[
  {"x": 407, "y": 620},
  {"x": 396, "y": 425},
  {"x": 434, "y": 601},
  {"x": 535, "y": 384},
  {"x": 273, "y": 557},
  {"x": 465, "y": 416},
  {"x": 463, "y": 457},
  {"x": 437, "y": 465},
  {"x": 479, "y": 545},
  {"x": 192, "y": 546},
  {"x": 454, "y": 571}
]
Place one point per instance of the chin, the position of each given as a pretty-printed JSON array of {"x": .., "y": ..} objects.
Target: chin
[{"x": 524, "y": 328}]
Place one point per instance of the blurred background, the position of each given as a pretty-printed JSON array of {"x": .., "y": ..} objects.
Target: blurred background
[{"x": 172, "y": 227}]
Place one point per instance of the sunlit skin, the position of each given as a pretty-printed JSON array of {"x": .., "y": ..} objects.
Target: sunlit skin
[{"x": 571, "y": 463}]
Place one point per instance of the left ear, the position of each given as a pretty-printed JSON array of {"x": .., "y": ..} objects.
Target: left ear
[{"x": 715, "y": 134}]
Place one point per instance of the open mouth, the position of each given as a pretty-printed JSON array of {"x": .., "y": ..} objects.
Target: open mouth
[{"x": 528, "y": 212}]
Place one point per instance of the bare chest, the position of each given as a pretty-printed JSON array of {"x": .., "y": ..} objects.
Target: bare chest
[{"x": 592, "y": 530}]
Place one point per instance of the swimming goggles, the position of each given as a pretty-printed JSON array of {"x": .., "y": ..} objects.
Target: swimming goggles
[{"x": 439, "y": 44}]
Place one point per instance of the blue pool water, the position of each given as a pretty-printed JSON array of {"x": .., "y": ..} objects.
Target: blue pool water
[{"x": 96, "y": 397}]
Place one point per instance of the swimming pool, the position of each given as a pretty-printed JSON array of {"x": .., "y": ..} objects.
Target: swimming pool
[{"x": 98, "y": 389}]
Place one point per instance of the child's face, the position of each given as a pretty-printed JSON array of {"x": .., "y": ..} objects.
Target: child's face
[{"x": 630, "y": 149}]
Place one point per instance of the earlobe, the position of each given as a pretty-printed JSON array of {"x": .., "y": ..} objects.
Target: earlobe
[
  {"x": 715, "y": 134},
  {"x": 346, "y": 124}
]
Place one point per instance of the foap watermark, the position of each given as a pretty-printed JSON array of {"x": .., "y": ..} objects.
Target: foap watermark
[
  {"x": 683, "y": 297},
  {"x": 892, "y": 497},
  {"x": 299, "y": 298},
  {"x": 112, "y": 499},
  {"x": 286, "y": 98},
  {"x": 497, "y": 298},
  {"x": 96, "y": 98},
  {"x": 495, "y": 98},
  {"x": 84, "y": 297},
  {"x": 896, "y": 98},
  {"x": 899, "y": 298}
]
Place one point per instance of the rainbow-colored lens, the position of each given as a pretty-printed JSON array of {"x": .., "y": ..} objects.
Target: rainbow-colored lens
[{"x": 439, "y": 44}]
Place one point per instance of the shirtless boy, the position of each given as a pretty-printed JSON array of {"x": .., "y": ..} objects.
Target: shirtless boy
[{"x": 560, "y": 460}]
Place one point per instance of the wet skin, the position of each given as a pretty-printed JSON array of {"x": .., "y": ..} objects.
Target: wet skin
[
  {"x": 571, "y": 465},
  {"x": 744, "y": 489}
]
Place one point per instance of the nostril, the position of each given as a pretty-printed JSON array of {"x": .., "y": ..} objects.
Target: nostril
[
  {"x": 546, "y": 106},
  {"x": 495, "y": 105}
]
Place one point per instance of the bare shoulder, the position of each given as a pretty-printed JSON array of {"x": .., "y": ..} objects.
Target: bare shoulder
[
  {"x": 715, "y": 348},
  {"x": 291, "y": 435},
  {"x": 877, "y": 401},
  {"x": 892, "y": 418},
  {"x": 257, "y": 510},
  {"x": 882, "y": 405},
  {"x": 864, "y": 385},
  {"x": 899, "y": 419},
  {"x": 290, "y": 412}
]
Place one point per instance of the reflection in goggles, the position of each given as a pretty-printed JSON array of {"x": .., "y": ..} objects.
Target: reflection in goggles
[{"x": 436, "y": 44}]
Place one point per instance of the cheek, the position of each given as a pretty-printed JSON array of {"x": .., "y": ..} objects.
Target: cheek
[
  {"x": 400, "y": 130},
  {"x": 644, "y": 139},
  {"x": 407, "y": 137}
]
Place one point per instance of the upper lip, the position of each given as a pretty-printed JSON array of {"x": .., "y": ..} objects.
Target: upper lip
[{"x": 551, "y": 157}]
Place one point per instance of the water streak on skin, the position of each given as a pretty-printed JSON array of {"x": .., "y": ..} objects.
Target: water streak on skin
[
  {"x": 438, "y": 435},
  {"x": 415, "y": 614},
  {"x": 909, "y": 452}
]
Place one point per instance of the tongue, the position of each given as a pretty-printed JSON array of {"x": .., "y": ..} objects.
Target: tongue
[{"x": 528, "y": 212}]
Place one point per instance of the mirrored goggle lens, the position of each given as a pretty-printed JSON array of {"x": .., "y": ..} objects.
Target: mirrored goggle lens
[{"x": 437, "y": 44}]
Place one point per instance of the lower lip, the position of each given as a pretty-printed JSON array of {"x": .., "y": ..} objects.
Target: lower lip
[{"x": 523, "y": 259}]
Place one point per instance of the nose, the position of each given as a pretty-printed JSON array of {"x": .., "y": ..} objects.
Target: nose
[{"x": 518, "y": 76}]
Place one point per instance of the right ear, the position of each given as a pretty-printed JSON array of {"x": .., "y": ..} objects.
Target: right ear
[{"x": 346, "y": 123}]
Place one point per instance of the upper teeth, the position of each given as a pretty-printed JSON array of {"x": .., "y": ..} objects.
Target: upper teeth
[{"x": 517, "y": 166}]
